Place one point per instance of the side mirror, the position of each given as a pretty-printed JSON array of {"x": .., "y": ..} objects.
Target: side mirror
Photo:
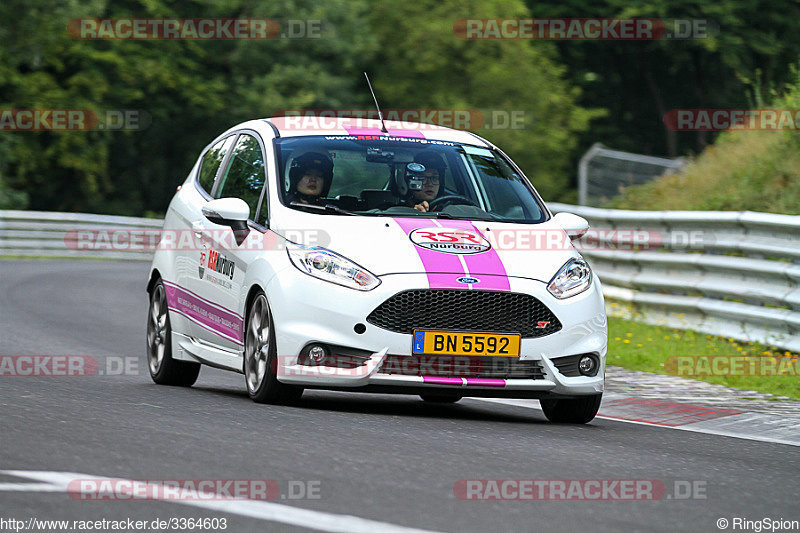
[
  {"x": 232, "y": 212},
  {"x": 574, "y": 225}
]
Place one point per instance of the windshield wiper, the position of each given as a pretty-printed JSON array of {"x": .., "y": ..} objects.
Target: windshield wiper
[{"x": 328, "y": 208}]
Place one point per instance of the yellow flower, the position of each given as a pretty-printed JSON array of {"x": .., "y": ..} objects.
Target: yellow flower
[
  {"x": 629, "y": 334},
  {"x": 626, "y": 341},
  {"x": 617, "y": 339},
  {"x": 638, "y": 345}
]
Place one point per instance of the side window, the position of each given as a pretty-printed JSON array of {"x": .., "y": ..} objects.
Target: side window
[
  {"x": 244, "y": 176},
  {"x": 211, "y": 162}
]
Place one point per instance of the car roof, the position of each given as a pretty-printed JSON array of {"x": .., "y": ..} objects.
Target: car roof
[{"x": 299, "y": 126}]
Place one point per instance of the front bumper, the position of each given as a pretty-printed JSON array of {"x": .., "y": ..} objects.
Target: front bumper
[{"x": 307, "y": 310}]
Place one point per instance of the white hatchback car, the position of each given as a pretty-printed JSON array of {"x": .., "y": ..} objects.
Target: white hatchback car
[{"x": 411, "y": 259}]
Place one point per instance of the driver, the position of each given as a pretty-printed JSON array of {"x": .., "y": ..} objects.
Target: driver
[
  {"x": 431, "y": 186},
  {"x": 310, "y": 178}
]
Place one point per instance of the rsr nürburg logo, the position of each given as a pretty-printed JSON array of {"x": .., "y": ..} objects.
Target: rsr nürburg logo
[{"x": 449, "y": 240}]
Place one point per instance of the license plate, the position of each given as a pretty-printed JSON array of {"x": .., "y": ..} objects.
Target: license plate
[{"x": 459, "y": 343}]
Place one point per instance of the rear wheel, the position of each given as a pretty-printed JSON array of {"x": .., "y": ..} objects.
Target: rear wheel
[
  {"x": 260, "y": 359},
  {"x": 440, "y": 398},
  {"x": 163, "y": 368},
  {"x": 573, "y": 410}
]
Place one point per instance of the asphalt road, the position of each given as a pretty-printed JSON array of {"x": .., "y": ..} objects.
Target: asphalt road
[{"x": 390, "y": 459}]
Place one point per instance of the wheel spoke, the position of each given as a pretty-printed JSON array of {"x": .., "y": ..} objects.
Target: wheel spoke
[
  {"x": 254, "y": 330},
  {"x": 263, "y": 338},
  {"x": 157, "y": 303},
  {"x": 262, "y": 365}
]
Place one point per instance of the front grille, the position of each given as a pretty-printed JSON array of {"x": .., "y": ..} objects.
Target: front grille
[
  {"x": 465, "y": 310},
  {"x": 461, "y": 367}
]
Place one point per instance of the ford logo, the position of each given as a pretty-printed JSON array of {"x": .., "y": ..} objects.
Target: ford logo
[{"x": 468, "y": 280}]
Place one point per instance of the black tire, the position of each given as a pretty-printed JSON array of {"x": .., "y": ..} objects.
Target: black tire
[
  {"x": 573, "y": 410},
  {"x": 164, "y": 370},
  {"x": 259, "y": 368},
  {"x": 440, "y": 398}
]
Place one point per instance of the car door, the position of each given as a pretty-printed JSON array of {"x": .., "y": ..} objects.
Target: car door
[
  {"x": 225, "y": 262},
  {"x": 189, "y": 245}
]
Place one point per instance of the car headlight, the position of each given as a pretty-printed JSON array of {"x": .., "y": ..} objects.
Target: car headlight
[
  {"x": 330, "y": 266},
  {"x": 573, "y": 278}
]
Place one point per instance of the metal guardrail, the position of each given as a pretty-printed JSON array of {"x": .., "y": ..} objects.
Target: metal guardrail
[
  {"x": 735, "y": 274},
  {"x": 49, "y": 234},
  {"x": 603, "y": 171}
]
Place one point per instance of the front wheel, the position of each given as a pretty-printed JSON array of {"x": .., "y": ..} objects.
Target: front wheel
[
  {"x": 573, "y": 410},
  {"x": 260, "y": 359},
  {"x": 163, "y": 368}
]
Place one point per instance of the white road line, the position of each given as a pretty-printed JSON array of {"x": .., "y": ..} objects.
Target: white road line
[
  {"x": 261, "y": 510},
  {"x": 696, "y": 427},
  {"x": 30, "y": 487}
]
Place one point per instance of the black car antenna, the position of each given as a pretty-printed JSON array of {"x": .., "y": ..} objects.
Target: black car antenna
[{"x": 380, "y": 115}]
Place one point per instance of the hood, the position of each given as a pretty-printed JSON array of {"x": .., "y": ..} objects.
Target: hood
[{"x": 397, "y": 245}]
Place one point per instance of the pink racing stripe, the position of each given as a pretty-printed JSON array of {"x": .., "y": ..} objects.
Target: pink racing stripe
[
  {"x": 446, "y": 281},
  {"x": 224, "y": 323},
  {"x": 352, "y": 130},
  {"x": 485, "y": 382},
  {"x": 442, "y": 269},
  {"x": 442, "y": 381},
  {"x": 209, "y": 302},
  {"x": 486, "y": 263}
]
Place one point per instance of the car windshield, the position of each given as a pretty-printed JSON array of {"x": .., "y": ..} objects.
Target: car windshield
[{"x": 395, "y": 176}]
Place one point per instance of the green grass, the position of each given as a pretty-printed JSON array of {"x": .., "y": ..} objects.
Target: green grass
[{"x": 638, "y": 346}]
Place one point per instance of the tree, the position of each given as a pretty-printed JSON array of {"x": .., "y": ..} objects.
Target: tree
[{"x": 421, "y": 63}]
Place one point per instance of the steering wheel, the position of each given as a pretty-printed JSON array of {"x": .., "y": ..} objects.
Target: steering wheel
[{"x": 450, "y": 199}]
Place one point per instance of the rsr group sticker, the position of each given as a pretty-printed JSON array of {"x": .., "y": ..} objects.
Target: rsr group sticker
[{"x": 450, "y": 241}]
